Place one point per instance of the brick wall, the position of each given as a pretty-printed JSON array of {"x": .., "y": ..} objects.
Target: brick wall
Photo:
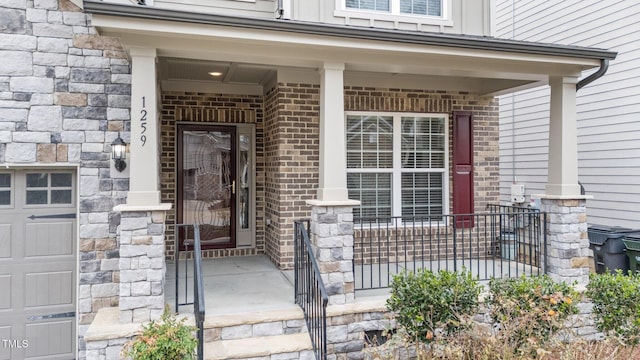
[
  {"x": 291, "y": 148},
  {"x": 287, "y": 138},
  {"x": 485, "y": 126},
  {"x": 190, "y": 107}
]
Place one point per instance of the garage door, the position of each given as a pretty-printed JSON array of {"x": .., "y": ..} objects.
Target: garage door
[{"x": 37, "y": 264}]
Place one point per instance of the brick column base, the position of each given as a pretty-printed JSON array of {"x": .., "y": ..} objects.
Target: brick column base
[
  {"x": 142, "y": 266},
  {"x": 332, "y": 238},
  {"x": 568, "y": 250}
]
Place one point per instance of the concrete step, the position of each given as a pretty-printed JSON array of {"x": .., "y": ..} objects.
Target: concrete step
[
  {"x": 281, "y": 347},
  {"x": 254, "y": 324}
]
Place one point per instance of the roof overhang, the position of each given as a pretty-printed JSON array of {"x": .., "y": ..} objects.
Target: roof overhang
[{"x": 486, "y": 66}]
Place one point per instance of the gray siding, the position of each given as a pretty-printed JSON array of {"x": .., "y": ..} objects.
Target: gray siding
[
  {"x": 258, "y": 8},
  {"x": 472, "y": 17},
  {"x": 608, "y": 109}
]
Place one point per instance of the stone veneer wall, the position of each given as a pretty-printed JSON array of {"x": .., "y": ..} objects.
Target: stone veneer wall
[
  {"x": 64, "y": 96},
  {"x": 190, "y": 107}
]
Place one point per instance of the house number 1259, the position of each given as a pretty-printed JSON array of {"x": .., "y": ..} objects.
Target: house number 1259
[{"x": 143, "y": 122}]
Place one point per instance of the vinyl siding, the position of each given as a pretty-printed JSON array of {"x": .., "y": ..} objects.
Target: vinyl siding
[
  {"x": 471, "y": 17},
  {"x": 608, "y": 109},
  {"x": 247, "y": 8}
]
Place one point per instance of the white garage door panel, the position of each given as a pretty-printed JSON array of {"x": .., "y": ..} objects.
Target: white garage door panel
[
  {"x": 5, "y": 241},
  {"x": 5, "y": 333},
  {"x": 50, "y": 288},
  {"x": 49, "y": 239},
  {"x": 38, "y": 250},
  {"x": 50, "y": 338},
  {"x": 5, "y": 287}
]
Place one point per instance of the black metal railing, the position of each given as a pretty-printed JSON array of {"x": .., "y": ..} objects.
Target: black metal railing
[
  {"x": 192, "y": 239},
  {"x": 310, "y": 292},
  {"x": 505, "y": 241}
]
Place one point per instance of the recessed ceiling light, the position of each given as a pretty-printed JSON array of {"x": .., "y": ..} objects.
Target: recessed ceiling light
[{"x": 215, "y": 73}]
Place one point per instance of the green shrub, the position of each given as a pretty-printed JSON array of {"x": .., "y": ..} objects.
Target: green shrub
[
  {"x": 530, "y": 309},
  {"x": 616, "y": 304},
  {"x": 168, "y": 339},
  {"x": 425, "y": 301}
]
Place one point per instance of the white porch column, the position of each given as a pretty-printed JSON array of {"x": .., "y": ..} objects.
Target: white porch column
[
  {"x": 144, "y": 186},
  {"x": 333, "y": 157},
  {"x": 563, "y": 139}
]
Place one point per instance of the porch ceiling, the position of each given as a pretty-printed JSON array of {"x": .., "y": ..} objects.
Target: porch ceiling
[{"x": 248, "y": 56}]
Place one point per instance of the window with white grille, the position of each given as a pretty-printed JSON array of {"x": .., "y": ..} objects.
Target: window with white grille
[
  {"x": 397, "y": 164},
  {"x": 398, "y": 7}
]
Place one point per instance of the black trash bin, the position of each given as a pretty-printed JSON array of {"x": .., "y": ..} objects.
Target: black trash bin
[
  {"x": 632, "y": 245},
  {"x": 608, "y": 249}
]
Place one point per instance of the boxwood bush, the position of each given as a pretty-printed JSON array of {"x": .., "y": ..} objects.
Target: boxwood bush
[
  {"x": 616, "y": 304},
  {"x": 425, "y": 302},
  {"x": 531, "y": 309}
]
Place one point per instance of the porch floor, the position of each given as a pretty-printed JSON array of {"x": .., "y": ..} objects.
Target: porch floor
[
  {"x": 234, "y": 285},
  {"x": 252, "y": 284}
]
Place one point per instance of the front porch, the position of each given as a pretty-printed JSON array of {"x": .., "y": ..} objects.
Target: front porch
[
  {"x": 250, "y": 303},
  {"x": 253, "y": 284}
]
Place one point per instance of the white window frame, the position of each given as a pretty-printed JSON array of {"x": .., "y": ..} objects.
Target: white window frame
[
  {"x": 394, "y": 15},
  {"x": 397, "y": 170},
  {"x": 49, "y": 188},
  {"x": 11, "y": 189}
]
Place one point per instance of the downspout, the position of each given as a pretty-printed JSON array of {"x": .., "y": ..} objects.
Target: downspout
[
  {"x": 604, "y": 66},
  {"x": 280, "y": 9}
]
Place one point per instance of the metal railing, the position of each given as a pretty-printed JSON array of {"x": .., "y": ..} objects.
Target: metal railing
[
  {"x": 310, "y": 292},
  {"x": 504, "y": 241},
  {"x": 198, "y": 285}
]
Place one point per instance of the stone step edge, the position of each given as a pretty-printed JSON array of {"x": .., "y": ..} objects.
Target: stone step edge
[
  {"x": 227, "y": 320},
  {"x": 257, "y": 346}
]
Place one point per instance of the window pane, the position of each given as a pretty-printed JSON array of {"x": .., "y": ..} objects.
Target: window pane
[
  {"x": 381, "y": 5},
  {"x": 419, "y": 143},
  {"x": 369, "y": 142},
  {"x": 37, "y": 180},
  {"x": 36, "y": 197},
  {"x": 422, "y": 194},
  {"x": 60, "y": 180},
  {"x": 374, "y": 193},
  {"x": 61, "y": 196},
  {"x": 5, "y": 180},
  {"x": 5, "y": 197},
  {"x": 245, "y": 180},
  {"x": 421, "y": 7}
]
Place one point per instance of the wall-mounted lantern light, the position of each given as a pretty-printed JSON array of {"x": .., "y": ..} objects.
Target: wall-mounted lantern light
[{"x": 119, "y": 153}]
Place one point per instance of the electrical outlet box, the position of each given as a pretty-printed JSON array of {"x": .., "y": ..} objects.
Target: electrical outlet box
[{"x": 517, "y": 193}]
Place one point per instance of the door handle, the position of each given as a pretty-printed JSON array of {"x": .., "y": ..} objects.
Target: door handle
[
  {"x": 233, "y": 187},
  {"x": 52, "y": 316}
]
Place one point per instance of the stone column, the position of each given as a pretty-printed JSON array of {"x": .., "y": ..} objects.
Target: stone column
[
  {"x": 142, "y": 264},
  {"x": 332, "y": 238},
  {"x": 568, "y": 253}
]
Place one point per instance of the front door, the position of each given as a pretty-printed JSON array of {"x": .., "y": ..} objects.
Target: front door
[
  {"x": 207, "y": 183},
  {"x": 37, "y": 264}
]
